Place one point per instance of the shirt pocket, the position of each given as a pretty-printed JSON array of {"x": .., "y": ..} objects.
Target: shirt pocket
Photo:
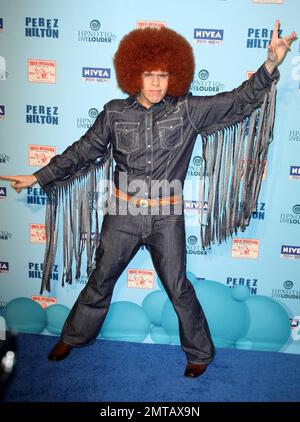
[
  {"x": 127, "y": 136},
  {"x": 170, "y": 132}
]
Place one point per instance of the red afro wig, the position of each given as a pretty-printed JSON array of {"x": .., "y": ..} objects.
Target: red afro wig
[{"x": 152, "y": 49}]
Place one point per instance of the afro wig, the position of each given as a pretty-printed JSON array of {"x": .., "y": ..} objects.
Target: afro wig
[{"x": 152, "y": 49}]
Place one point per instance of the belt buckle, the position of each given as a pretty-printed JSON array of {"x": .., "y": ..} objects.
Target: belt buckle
[{"x": 144, "y": 203}]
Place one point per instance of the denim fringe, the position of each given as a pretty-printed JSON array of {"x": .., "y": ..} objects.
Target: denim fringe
[
  {"x": 73, "y": 202},
  {"x": 234, "y": 159}
]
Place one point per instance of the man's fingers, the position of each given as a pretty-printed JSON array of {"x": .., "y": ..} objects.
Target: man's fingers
[
  {"x": 9, "y": 178},
  {"x": 292, "y": 37},
  {"x": 275, "y": 31},
  {"x": 284, "y": 40}
]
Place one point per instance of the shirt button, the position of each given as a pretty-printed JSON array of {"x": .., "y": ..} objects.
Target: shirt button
[
  {"x": 148, "y": 128},
  {"x": 149, "y": 162}
]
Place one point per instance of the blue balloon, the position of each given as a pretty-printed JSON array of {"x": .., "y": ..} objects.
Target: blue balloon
[
  {"x": 159, "y": 336},
  {"x": 126, "y": 321},
  {"x": 269, "y": 324},
  {"x": 192, "y": 278},
  {"x": 244, "y": 343},
  {"x": 160, "y": 285},
  {"x": 228, "y": 318},
  {"x": 56, "y": 316},
  {"x": 153, "y": 305},
  {"x": 25, "y": 316},
  {"x": 240, "y": 293}
]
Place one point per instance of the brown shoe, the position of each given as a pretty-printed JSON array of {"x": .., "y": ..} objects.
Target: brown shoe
[
  {"x": 60, "y": 351},
  {"x": 194, "y": 370}
]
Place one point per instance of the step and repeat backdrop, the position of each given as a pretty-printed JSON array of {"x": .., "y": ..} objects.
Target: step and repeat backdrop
[{"x": 56, "y": 73}]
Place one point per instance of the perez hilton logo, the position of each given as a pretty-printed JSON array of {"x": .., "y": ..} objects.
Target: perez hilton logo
[
  {"x": 41, "y": 71},
  {"x": 245, "y": 248},
  {"x": 260, "y": 37},
  {"x": 41, "y": 27},
  {"x": 40, "y": 155},
  {"x": 95, "y": 74},
  {"x": 208, "y": 36}
]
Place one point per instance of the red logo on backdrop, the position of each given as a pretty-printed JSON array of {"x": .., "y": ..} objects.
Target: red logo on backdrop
[
  {"x": 44, "y": 301},
  {"x": 37, "y": 233},
  {"x": 150, "y": 24},
  {"x": 142, "y": 279},
  {"x": 40, "y": 155},
  {"x": 41, "y": 71},
  {"x": 245, "y": 248}
]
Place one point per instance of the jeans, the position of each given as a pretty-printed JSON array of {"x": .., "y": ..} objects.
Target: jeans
[{"x": 121, "y": 237}]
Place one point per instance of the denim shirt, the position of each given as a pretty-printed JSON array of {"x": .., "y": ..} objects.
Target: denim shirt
[{"x": 155, "y": 145}]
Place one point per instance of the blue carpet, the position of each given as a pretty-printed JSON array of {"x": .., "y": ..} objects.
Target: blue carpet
[{"x": 113, "y": 371}]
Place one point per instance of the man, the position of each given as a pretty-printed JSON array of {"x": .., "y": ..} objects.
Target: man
[{"x": 151, "y": 135}]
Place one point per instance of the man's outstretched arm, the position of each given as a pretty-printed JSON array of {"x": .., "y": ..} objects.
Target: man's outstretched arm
[
  {"x": 20, "y": 182},
  {"x": 91, "y": 146},
  {"x": 210, "y": 113}
]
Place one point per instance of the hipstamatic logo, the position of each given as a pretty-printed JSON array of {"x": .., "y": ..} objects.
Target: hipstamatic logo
[
  {"x": 4, "y": 158},
  {"x": 204, "y": 84},
  {"x": 85, "y": 122},
  {"x": 193, "y": 246},
  {"x": 287, "y": 292},
  {"x": 96, "y": 34},
  {"x": 5, "y": 235},
  {"x": 292, "y": 217}
]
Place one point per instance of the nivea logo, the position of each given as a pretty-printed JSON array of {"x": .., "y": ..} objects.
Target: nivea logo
[
  {"x": 208, "y": 34},
  {"x": 95, "y": 72}
]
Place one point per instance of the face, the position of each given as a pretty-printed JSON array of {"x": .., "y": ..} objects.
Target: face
[{"x": 154, "y": 87}]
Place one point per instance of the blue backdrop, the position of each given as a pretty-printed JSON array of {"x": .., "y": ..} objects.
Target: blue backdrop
[{"x": 56, "y": 73}]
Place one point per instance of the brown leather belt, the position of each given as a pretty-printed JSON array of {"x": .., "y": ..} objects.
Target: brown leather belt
[{"x": 151, "y": 202}]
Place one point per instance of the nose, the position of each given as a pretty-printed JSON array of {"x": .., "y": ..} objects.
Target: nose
[{"x": 155, "y": 80}]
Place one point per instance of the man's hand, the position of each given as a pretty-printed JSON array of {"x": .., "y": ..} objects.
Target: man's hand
[
  {"x": 20, "y": 182},
  {"x": 278, "y": 48}
]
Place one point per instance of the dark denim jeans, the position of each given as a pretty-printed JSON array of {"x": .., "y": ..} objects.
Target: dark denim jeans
[{"x": 121, "y": 238}]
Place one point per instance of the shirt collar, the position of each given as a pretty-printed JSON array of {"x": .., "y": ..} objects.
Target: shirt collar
[{"x": 132, "y": 102}]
